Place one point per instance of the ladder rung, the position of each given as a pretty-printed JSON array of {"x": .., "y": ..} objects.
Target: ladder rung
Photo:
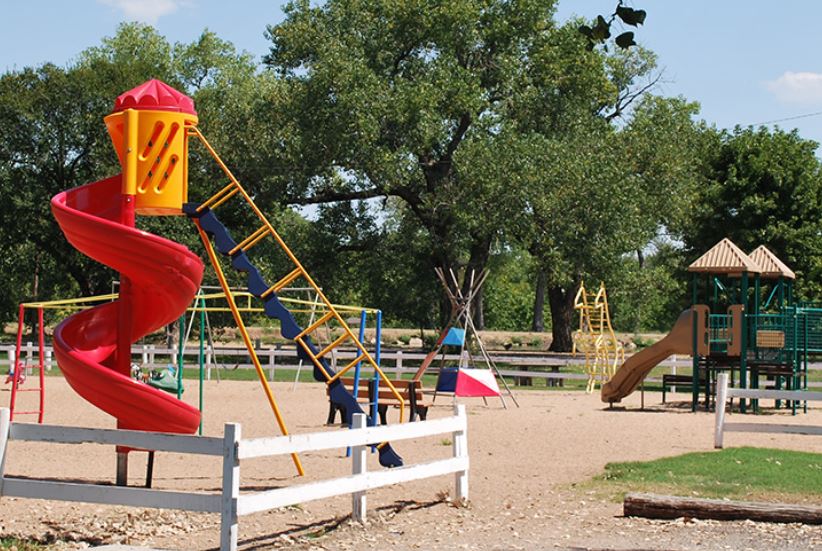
[
  {"x": 294, "y": 274},
  {"x": 251, "y": 240},
  {"x": 311, "y": 355},
  {"x": 220, "y": 197},
  {"x": 333, "y": 345},
  {"x": 348, "y": 367},
  {"x": 324, "y": 318}
]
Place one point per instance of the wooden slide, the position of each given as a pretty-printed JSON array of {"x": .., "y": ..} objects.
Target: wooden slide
[{"x": 637, "y": 367}]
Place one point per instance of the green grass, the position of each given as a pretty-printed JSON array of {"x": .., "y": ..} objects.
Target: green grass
[
  {"x": 736, "y": 473},
  {"x": 20, "y": 545}
]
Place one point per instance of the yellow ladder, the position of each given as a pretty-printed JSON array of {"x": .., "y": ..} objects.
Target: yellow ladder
[{"x": 266, "y": 230}]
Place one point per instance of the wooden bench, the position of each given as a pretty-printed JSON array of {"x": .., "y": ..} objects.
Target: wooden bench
[
  {"x": 670, "y": 380},
  {"x": 409, "y": 390}
]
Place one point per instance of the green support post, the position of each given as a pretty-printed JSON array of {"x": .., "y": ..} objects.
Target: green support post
[
  {"x": 743, "y": 348},
  {"x": 180, "y": 347},
  {"x": 694, "y": 354},
  {"x": 201, "y": 359},
  {"x": 755, "y": 313}
]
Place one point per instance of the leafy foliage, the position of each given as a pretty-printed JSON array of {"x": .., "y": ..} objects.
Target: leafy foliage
[{"x": 763, "y": 187}]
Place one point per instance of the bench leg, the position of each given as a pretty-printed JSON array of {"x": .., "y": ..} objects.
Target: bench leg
[
  {"x": 383, "y": 411},
  {"x": 423, "y": 411}
]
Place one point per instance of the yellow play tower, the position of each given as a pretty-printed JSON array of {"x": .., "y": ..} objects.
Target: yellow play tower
[{"x": 595, "y": 337}]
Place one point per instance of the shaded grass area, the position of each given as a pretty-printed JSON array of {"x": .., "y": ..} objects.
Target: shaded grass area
[{"x": 744, "y": 473}]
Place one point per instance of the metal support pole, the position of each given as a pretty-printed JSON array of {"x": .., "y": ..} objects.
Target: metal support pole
[
  {"x": 201, "y": 359},
  {"x": 181, "y": 352}
]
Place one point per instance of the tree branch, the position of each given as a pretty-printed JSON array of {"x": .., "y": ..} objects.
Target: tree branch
[
  {"x": 627, "y": 98},
  {"x": 334, "y": 196}
]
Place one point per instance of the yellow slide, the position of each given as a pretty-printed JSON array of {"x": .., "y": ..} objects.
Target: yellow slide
[{"x": 637, "y": 367}]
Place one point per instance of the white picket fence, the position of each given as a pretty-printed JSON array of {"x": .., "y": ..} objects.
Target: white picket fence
[
  {"x": 723, "y": 392},
  {"x": 230, "y": 503}
]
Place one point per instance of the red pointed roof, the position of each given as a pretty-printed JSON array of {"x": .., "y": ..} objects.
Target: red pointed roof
[{"x": 155, "y": 95}]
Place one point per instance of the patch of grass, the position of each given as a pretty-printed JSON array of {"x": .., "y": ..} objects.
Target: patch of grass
[
  {"x": 445, "y": 442},
  {"x": 642, "y": 342},
  {"x": 20, "y": 545},
  {"x": 736, "y": 473}
]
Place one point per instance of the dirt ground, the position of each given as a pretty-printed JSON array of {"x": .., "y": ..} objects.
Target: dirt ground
[{"x": 525, "y": 463}]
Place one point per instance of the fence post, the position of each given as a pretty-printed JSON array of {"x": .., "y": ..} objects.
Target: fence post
[
  {"x": 231, "y": 487},
  {"x": 5, "y": 423},
  {"x": 29, "y": 358},
  {"x": 460, "y": 449},
  {"x": 721, "y": 398},
  {"x": 271, "y": 362},
  {"x": 359, "y": 466}
]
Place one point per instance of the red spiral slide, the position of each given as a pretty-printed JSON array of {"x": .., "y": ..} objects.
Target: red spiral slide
[{"x": 164, "y": 277}]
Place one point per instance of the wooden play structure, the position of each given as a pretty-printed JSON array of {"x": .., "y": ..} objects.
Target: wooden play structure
[
  {"x": 595, "y": 337},
  {"x": 743, "y": 320}
]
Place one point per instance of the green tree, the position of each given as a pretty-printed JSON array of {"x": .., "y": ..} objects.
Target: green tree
[
  {"x": 763, "y": 187},
  {"x": 402, "y": 100},
  {"x": 52, "y": 138},
  {"x": 597, "y": 197}
]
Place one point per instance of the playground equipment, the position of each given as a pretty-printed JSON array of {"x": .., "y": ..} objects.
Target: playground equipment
[
  {"x": 150, "y": 128},
  {"x": 742, "y": 320},
  {"x": 466, "y": 379},
  {"x": 595, "y": 337}
]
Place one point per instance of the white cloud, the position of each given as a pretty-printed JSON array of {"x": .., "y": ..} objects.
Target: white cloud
[
  {"x": 146, "y": 11},
  {"x": 797, "y": 88}
]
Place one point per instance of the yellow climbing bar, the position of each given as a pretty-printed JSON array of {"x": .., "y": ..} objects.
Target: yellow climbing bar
[{"x": 238, "y": 319}]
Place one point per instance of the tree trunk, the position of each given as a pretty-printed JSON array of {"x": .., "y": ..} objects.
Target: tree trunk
[
  {"x": 478, "y": 312},
  {"x": 562, "y": 317},
  {"x": 539, "y": 303}
]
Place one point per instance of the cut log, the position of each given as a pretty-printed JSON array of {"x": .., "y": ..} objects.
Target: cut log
[{"x": 671, "y": 507}]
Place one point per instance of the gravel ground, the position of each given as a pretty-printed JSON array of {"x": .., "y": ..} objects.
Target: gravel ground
[{"x": 525, "y": 463}]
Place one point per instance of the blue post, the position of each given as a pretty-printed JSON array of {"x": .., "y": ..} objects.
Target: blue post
[
  {"x": 378, "y": 331},
  {"x": 356, "y": 390},
  {"x": 377, "y": 348}
]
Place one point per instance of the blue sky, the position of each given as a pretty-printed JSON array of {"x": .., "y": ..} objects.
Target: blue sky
[{"x": 745, "y": 61}]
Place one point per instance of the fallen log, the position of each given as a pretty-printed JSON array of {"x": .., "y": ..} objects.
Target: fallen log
[{"x": 671, "y": 507}]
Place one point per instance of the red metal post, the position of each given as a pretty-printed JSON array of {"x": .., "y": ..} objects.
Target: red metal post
[
  {"x": 42, "y": 354},
  {"x": 123, "y": 358},
  {"x": 17, "y": 363}
]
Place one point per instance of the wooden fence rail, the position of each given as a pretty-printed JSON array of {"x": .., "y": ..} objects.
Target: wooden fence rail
[
  {"x": 230, "y": 503},
  {"x": 723, "y": 392}
]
